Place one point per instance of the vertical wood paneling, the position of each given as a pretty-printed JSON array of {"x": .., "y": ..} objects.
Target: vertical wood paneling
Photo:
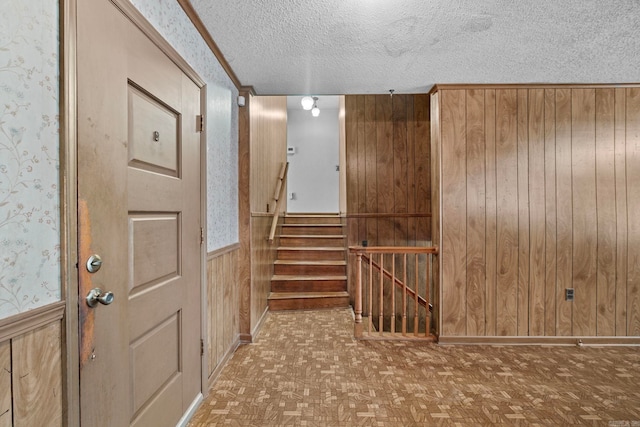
[
  {"x": 400, "y": 188},
  {"x": 491, "y": 212},
  {"x": 351, "y": 129},
  {"x": 537, "y": 213},
  {"x": 388, "y": 169},
  {"x": 523, "y": 213},
  {"x": 585, "y": 229},
  {"x": 371, "y": 176},
  {"x": 384, "y": 166},
  {"x": 435, "y": 216},
  {"x": 621, "y": 210},
  {"x": 411, "y": 168},
  {"x": 422, "y": 163},
  {"x": 6, "y": 415},
  {"x": 551, "y": 291},
  {"x": 633, "y": 207},
  {"x": 507, "y": 206},
  {"x": 606, "y": 212},
  {"x": 564, "y": 224},
  {"x": 453, "y": 221},
  {"x": 476, "y": 209},
  {"x": 538, "y": 195},
  {"x": 361, "y": 166},
  {"x": 37, "y": 377},
  {"x": 244, "y": 213},
  {"x": 217, "y": 278},
  {"x": 212, "y": 321}
]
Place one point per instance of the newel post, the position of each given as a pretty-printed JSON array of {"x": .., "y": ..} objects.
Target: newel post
[{"x": 358, "y": 309}]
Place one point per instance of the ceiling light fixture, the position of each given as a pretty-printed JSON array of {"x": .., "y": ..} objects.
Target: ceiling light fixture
[
  {"x": 315, "y": 111},
  {"x": 307, "y": 102}
]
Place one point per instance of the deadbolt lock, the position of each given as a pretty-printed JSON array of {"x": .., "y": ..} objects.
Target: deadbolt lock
[{"x": 94, "y": 263}]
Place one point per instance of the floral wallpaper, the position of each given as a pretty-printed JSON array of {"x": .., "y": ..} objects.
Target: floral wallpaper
[
  {"x": 29, "y": 164},
  {"x": 222, "y": 117}
]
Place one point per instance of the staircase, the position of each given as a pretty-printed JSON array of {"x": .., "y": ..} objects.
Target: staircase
[{"x": 310, "y": 270}]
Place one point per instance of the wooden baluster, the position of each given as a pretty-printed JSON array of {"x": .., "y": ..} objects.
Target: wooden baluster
[
  {"x": 358, "y": 302},
  {"x": 404, "y": 297},
  {"x": 415, "y": 295},
  {"x": 381, "y": 307},
  {"x": 393, "y": 294},
  {"x": 370, "y": 292},
  {"x": 427, "y": 325}
]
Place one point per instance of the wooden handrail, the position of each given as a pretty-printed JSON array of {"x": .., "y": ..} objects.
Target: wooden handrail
[
  {"x": 393, "y": 249},
  {"x": 277, "y": 197}
]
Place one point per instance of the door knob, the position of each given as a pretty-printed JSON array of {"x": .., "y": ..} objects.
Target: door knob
[{"x": 96, "y": 296}]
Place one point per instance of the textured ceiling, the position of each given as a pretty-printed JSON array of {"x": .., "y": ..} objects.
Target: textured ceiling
[{"x": 370, "y": 46}]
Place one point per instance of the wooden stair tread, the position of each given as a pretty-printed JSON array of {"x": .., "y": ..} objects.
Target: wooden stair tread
[
  {"x": 310, "y": 262},
  {"x": 307, "y": 295},
  {"x": 293, "y": 277}
]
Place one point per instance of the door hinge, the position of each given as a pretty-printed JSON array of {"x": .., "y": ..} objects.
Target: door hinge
[
  {"x": 201, "y": 347},
  {"x": 199, "y": 123},
  {"x": 201, "y": 235}
]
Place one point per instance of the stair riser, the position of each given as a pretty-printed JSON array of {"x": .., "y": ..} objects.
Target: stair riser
[
  {"x": 338, "y": 255},
  {"x": 311, "y": 270},
  {"x": 308, "y": 285},
  {"x": 312, "y": 220},
  {"x": 312, "y": 242},
  {"x": 311, "y": 230},
  {"x": 308, "y": 303}
]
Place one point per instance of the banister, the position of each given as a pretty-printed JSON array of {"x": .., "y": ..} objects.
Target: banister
[
  {"x": 394, "y": 249},
  {"x": 384, "y": 326},
  {"x": 277, "y": 197}
]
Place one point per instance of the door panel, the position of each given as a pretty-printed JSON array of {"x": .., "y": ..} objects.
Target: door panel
[{"x": 139, "y": 208}]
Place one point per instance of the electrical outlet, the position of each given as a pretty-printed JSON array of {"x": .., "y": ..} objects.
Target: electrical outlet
[
  {"x": 365, "y": 243},
  {"x": 568, "y": 294}
]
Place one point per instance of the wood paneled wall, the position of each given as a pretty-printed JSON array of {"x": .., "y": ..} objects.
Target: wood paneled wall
[
  {"x": 223, "y": 295},
  {"x": 31, "y": 378},
  {"x": 539, "y": 193},
  {"x": 263, "y": 254},
  {"x": 262, "y": 150},
  {"x": 388, "y": 169},
  {"x": 268, "y": 148}
]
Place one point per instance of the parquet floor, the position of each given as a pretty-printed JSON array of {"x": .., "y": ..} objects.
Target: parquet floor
[{"x": 307, "y": 370}]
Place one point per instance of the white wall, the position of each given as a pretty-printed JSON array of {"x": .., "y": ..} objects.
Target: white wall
[{"x": 312, "y": 169}]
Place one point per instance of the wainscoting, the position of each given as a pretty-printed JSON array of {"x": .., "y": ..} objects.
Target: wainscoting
[
  {"x": 31, "y": 368},
  {"x": 222, "y": 307}
]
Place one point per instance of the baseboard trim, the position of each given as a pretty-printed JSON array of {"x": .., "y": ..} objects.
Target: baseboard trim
[
  {"x": 190, "y": 411},
  {"x": 538, "y": 340},
  {"x": 216, "y": 372}
]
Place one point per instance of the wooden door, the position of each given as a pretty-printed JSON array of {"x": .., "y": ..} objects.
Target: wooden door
[{"x": 139, "y": 209}]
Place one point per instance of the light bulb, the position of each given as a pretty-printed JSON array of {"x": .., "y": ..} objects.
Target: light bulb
[
  {"x": 307, "y": 102},
  {"x": 315, "y": 112}
]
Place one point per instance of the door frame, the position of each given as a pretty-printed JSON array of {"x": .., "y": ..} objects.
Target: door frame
[{"x": 69, "y": 195}]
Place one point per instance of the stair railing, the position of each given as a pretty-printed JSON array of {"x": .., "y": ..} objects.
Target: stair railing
[
  {"x": 277, "y": 197},
  {"x": 393, "y": 284}
]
